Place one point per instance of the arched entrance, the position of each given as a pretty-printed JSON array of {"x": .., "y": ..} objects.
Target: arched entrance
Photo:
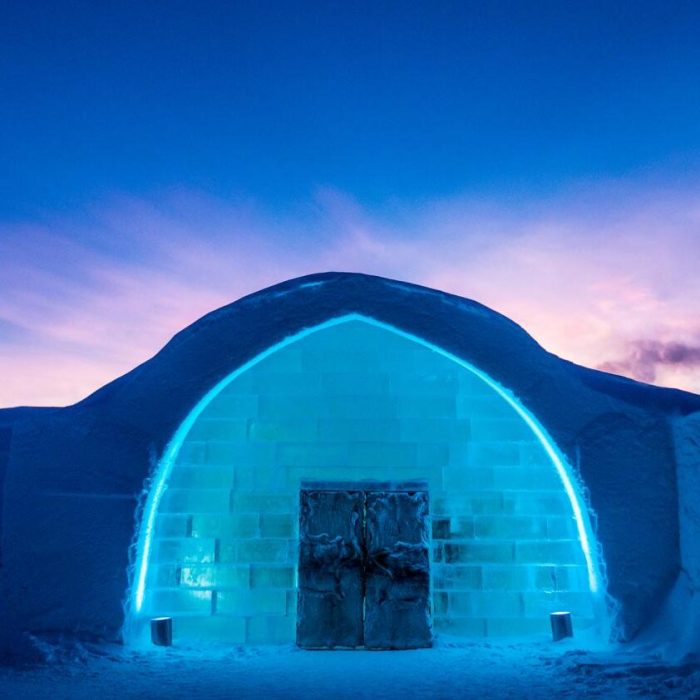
[{"x": 351, "y": 400}]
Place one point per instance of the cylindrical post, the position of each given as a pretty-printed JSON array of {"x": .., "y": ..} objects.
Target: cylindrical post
[
  {"x": 162, "y": 631},
  {"x": 561, "y": 625}
]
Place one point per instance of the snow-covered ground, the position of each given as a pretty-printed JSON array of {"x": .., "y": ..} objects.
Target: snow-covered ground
[{"x": 479, "y": 670}]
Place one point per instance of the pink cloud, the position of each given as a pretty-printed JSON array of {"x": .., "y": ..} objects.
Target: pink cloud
[
  {"x": 590, "y": 273},
  {"x": 646, "y": 357}
]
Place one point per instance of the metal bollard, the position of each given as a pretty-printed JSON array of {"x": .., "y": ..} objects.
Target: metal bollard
[
  {"x": 561, "y": 625},
  {"x": 162, "y": 631}
]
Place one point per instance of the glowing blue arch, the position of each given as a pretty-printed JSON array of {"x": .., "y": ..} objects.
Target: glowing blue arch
[{"x": 161, "y": 477}]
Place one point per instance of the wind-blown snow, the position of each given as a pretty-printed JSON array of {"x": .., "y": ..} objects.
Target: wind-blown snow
[{"x": 533, "y": 671}]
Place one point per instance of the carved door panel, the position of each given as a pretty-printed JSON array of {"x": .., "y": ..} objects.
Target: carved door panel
[
  {"x": 331, "y": 570},
  {"x": 364, "y": 569},
  {"x": 397, "y": 576}
]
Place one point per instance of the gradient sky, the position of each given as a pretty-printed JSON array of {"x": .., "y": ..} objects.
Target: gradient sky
[{"x": 160, "y": 159}]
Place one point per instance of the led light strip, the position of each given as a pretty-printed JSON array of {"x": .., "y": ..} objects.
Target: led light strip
[{"x": 164, "y": 468}]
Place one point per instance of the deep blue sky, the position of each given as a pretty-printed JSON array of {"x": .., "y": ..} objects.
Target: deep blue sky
[
  {"x": 158, "y": 160},
  {"x": 273, "y": 99}
]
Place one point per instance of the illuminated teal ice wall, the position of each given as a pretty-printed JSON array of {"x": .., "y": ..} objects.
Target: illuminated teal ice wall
[{"x": 350, "y": 401}]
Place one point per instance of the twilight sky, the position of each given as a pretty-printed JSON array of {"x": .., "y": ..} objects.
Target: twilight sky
[{"x": 160, "y": 159}]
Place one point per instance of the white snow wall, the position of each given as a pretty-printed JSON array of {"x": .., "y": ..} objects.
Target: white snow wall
[
  {"x": 75, "y": 475},
  {"x": 675, "y": 633}
]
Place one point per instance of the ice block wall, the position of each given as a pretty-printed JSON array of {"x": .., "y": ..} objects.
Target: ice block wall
[{"x": 350, "y": 402}]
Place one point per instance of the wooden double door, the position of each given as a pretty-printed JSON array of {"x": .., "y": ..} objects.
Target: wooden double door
[{"x": 364, "y": 566}]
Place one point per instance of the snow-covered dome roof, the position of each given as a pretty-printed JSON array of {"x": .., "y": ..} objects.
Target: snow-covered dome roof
[{"x": 73, "y": 476}]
